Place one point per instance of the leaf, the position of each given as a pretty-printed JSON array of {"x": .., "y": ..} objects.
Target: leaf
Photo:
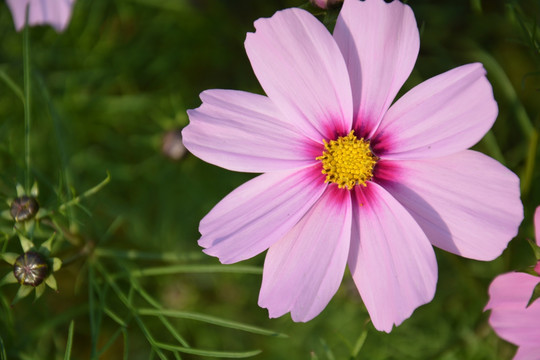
[
  {"x": 209, "y": 353},
  {"x": 6, "y": 214},
  {"x": 9, "y": 257},
  {"x": 176, "y": 269},
  {"x": 86, "y": 194},
  {"x": 8, "y": 279},
  {"x": 20, "y": 190},
  {"x": 211, "y": 320},
  {"x": 24, "y": 290},
  {"x": 51, "y": 281},
  {"x": 34, "y": 191},
  {"x": 26, "y": 244},
  {"x": 40, "y": 289},
  {"x": 536, "y": 249},
  {"x": 69, "y": 344},
  {"x": 12, "y": 85},
  {"x": 45, "y": 248},
  {"x": 3, "y": 355},
  {"x": 359, "y": 344},
  {"x": 535, "y": 295},
  {"x": 57, "y": 264}
]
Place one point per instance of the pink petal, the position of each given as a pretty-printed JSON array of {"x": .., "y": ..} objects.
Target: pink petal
[
  {"x": 241, "y": 131},
  {"x": 537, "y": 225},
  {"x": 510, "y": 317},
  {"x": 304, "y": 269},
  {"x": 443, "y": 115},
  {"x": 380, "y": 43},
  {"x": 391, "y": 260},
  {"x": 528, "y": 353},
  {"x": 259, "y": 213},
  {"x": 53, "y": 12},
  {"x": 466, "y": 203},
  {"x": 302, "y": 71}
]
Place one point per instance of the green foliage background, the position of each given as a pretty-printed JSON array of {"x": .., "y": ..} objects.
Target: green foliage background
[{"x": 106, "y": 90}]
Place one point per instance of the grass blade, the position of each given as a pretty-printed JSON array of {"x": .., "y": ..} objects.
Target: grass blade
[{"x": 69, "y": 344}]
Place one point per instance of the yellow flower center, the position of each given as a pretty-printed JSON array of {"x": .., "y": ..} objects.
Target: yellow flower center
[{"x": 347, "y": 161}]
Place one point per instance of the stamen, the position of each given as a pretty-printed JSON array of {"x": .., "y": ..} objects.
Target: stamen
[{"x": 347, "y": 161}]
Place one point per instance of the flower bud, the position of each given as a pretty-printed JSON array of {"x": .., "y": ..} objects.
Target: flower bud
[
  {"x": 172, "y": 145},
  {"x": 24, "y": 208},
  {"x": 325, "y": 4},
  {"x": 31, "y": 268}
]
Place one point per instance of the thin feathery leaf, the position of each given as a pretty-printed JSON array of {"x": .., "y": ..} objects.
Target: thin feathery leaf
[
  {"x": 209, "y": 353},
  {"x": 178, "y": 269},
  {"x": 211, "y": 320},
  {"x": 12, "y": 85}
]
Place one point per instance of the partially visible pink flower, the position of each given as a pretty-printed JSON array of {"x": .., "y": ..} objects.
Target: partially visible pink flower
[
  {"x": 325, "y": 4},
  {"x": 350, "y": 176},
  {"x": 510, "y": 317},
  {"x": 53, "y": 12}
]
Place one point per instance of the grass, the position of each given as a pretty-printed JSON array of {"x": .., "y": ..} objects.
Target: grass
[{"x": 134, "y": 284}]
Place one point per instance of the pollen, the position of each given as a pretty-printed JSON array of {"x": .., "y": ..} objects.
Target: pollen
[{"x": 347, "y": 161}]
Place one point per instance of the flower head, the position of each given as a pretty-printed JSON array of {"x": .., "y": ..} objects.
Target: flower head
[
  {"x": 24, "y": 208},
  {"x": 33, "y": 269},
  {"x": 53, "y": 12},
  {"x": 349, "y": 177},
  {"x": 515, "y": 313}
]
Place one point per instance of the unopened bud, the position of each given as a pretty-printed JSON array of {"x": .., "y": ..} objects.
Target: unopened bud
[
  {"x": 325, "y": 4},
  {"x": 172, "y": 145},
  {"x": 24, "y": 208},
  {"x": 31, "y": 268}
]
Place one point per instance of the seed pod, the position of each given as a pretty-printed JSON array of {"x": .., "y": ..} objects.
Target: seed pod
[
  {"x": 24, "y": 208},
  {"x": 30, "y": 268}
]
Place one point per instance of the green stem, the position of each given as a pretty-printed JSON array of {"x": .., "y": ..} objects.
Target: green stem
[
  {"x": 27, "y": 115},
  {"x": 496, "y": 72},
  {"x": 528, "y": 173}
]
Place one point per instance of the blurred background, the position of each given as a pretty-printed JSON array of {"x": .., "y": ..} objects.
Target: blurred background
[{"x": 105, "y": 94}]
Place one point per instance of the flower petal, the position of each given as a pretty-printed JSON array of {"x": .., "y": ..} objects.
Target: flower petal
[
  {"x": 303, "y": 72},
  {"x": 304, "y": 269},
  {"x": 241, "y": 131},
  {"x": 537, "y": 225},
  {"x": 466, "y": 203},
  {"x": 443, "y": 115},
  {"x": 259, "y": 213},
  {"x": 527, "y": 353},
  {"x": 380, "y": 43},
  {"x": 53, "y": 12},
  {"x": 510, "y": 317},
  {"x": 391, "y": 260}
]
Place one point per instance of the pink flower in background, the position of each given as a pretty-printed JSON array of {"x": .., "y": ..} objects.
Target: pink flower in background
[
  {"x": 348, "y": 177},
  {"x": 53, "y": 12},
  {"x": 325, "y": 4},
  {"x": 511, "y": 318}
]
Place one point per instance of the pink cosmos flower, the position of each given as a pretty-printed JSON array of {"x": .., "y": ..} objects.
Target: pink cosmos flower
[
  {"x": 511, "y": 318},
  {"x": 325, "y": 4},
  {"x": 53, "y": 12},
  {"x": 348, "y": 177}
]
